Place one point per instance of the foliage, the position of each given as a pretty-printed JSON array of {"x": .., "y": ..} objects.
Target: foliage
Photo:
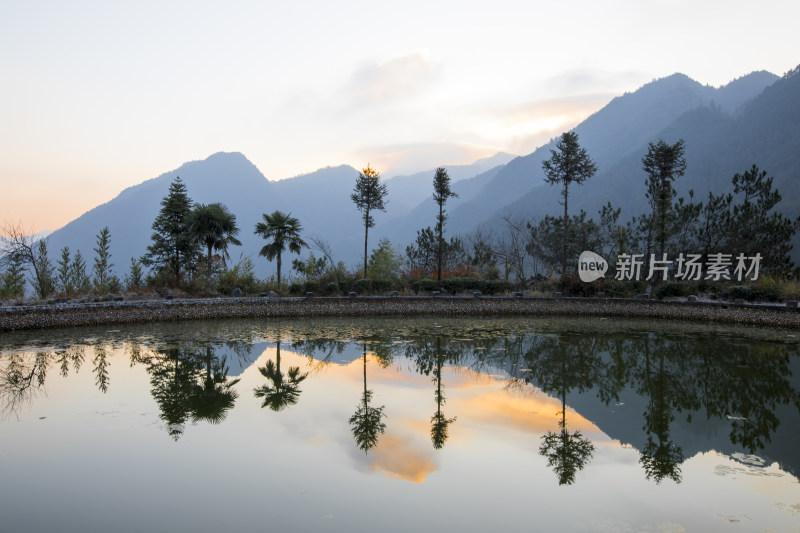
[
  {"x": 80, "y": 279},
  {"x": 664, "y": 163},
  {"x": 44, "y": 282},
  {"x": 369, "y": 194},
  {"x": 241, "y": 275},
  {"x": 758, "y": 227},
  {"x": 17, "y": 244},
  {"x": 422, "y": 255},
  {"x": 310, "y": 269},
  {"x": 570, "y": 164},
  {"x": 64, "y": 275},
  {"x": 457, "y": 285},
  {"x": 441, "y": 192},
  {"x": 134, "y": 281},
  {"x": 104, "y": 280},
  {"x": 284, "y": 232},
  {"x": 385, "y": 261},
  {"x": 173, "y": 249},
  {"x": 213, "y": 226},
  {"x": 12, "y": 280}
]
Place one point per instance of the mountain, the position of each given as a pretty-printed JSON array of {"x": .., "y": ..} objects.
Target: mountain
[
  {"x": 224, "y": 177},
  {"x": 408, "y": 191},
  {"x": 320, "y": 200},
  {"x": 753, "y": 119},
  {"x": 610, "y": 135},
  {"x": 763, "y": 130},
  {"x": 402, "y": 230}
]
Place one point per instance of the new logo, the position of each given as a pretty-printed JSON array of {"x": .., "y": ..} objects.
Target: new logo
[{"x": 591, "y": 267}]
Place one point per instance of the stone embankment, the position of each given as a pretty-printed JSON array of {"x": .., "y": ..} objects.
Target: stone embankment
[{"x": 87, "y": 314}]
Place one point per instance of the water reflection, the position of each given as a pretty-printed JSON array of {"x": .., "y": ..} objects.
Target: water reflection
[
  {"x": 188, "y": 381},
  {"x": 280, "y": 391},
  {"x": 367, "y": 422},
  {"x": 430, "y": 356},
  {"x": 670, "y": 393}
]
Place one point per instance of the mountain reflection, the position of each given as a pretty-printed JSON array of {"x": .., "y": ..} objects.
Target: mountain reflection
[{"x": 669, "y": 393}]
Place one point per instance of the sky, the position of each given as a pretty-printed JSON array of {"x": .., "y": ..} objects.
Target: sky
[{"x": 97, "y": 96}]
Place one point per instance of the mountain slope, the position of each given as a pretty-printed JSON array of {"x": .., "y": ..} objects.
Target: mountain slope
[
  {"x": 764, "y": 131},
  {"x": 223, "y": 177},
  {"x": 623, "y": 126}
]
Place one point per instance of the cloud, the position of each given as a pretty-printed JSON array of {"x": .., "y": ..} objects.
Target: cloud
[
  {"x": 393, "y": 79},
  {"x": 393, "y": 160},
  {"x": 397, "y": 458},
  {"x": 588, "y": 81}
]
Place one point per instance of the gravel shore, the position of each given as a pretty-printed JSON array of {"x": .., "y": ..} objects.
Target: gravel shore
[{"x": 129, "y": 312}]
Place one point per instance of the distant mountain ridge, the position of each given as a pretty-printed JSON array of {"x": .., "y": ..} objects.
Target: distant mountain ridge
[{"x": 753, "y": 119}]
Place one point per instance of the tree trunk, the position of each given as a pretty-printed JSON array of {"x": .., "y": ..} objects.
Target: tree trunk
[
  {"x": 439, "y": 254},
  {"x": 279, "y": 271},
  {"x": 566, "y": 230},
  {"x": 366, "y": 232},
  {"x": 208, "y": 271}
]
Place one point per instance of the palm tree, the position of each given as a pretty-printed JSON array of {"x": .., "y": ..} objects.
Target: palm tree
[
  {"x": 214, "y": 226},
  {"x": 284, "y": 230}
]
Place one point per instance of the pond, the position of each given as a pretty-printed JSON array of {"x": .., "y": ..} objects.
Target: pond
[{"x": 400, "y": 425}]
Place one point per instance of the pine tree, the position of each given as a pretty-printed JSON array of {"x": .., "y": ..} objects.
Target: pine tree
[
  {"x": 102, "y": 262},
  {"x": 135, "y": 278},
  {"x": 757, "y": 227},
  {"x": 64, "y": 275},
  {"x": 80, "y": 281},
  {"x": 173, "y": 249},
  {"x": 570, "y": 164},
  {"x": 12, "y": 282},
  {"x": 369, "y": 194},
  {"x": 441, "y": 192},
  {"x": 664, "y": 163},
  {"x": 44, "y": 281}
]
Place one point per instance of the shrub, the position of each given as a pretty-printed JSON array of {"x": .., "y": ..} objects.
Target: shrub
[
  {"x": 332, "y": 288},
  {"x": 674, "y": 289},
  {"x": 311, "y": 286},
  {"x": 362, "y": 286}
]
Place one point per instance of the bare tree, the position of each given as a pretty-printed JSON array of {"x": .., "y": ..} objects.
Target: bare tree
[
  {"x": 511, "y": 246},
  {"x": 17, "y": 242}
]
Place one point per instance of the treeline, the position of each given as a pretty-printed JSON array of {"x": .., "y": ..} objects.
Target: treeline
[{"x": 189, "y": 249}]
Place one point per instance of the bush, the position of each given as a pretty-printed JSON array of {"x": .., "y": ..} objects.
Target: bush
[
  {"x": 362, "y": 286},
  {"x": 423, "y": 285},
  {"x": 296, "y": 288},
  {"x": 457, "y": 285},
  {"x": 332, "y": 288},
  {"x": 674, "y": 289},
  {"x": 741, "y": 291},
  {"x": 240, "y": 275}
]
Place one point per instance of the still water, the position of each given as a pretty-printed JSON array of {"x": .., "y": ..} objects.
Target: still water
[{"x": 400, "y": 425}]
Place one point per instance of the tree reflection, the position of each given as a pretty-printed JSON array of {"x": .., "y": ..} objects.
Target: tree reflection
[
  {"x": 439, "y": 422},
  {"x": 173, "y": 377},
  {"x": 563, "y": 364},
  {"x": 20, "y": 380},
  {"x": 281, "y": 391},
  {"x": 366, "y": 422},
  {"x": 101, "y": 368},
  {"x": 661, "y": 457},
  {"x": 215, "y": 395}
]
